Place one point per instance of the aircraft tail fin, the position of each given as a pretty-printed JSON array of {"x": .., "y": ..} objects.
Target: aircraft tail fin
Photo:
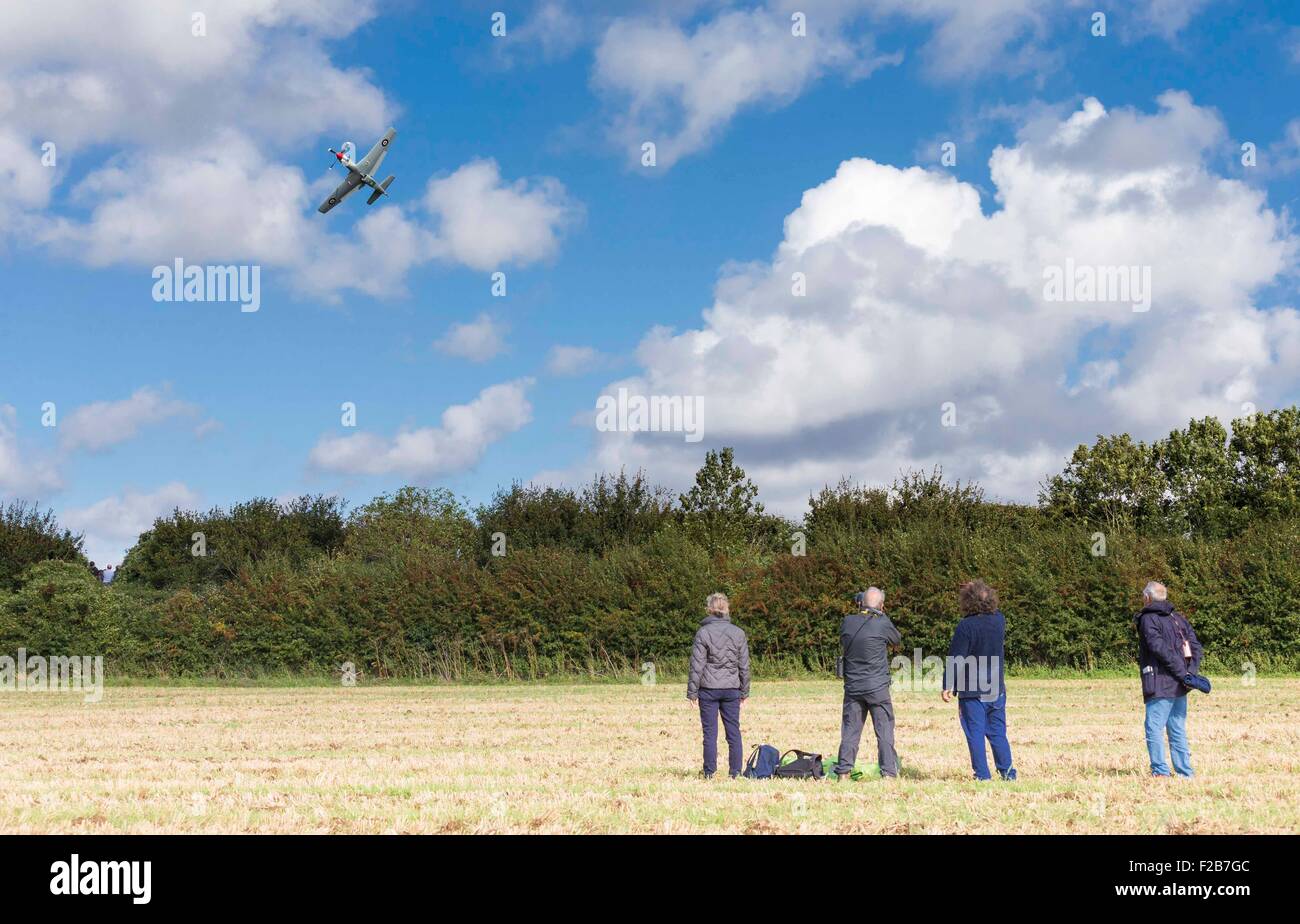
[{"x": 383, "y": 188}]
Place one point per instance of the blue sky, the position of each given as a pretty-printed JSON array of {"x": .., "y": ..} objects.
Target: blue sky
[{"x": 171, "y": 145}]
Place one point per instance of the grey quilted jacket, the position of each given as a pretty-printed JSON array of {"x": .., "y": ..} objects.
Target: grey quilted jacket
[{"x": 719, "y": 658}]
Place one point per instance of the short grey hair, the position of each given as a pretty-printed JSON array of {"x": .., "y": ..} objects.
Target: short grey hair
[
  {"x": 875, "y": 597},
  {"x": 1155, "y": 591},
  {"x": 718, "y": 604}
]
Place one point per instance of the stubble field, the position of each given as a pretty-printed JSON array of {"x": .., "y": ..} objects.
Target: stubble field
[{"x": 621, "y": 758}]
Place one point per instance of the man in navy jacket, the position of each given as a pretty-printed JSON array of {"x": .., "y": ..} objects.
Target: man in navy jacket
[{"x": 1168, "y": 650}]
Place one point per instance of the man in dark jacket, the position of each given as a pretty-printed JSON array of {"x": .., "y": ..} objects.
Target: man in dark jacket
[
  {"x": 865, "y": 637},
  {"x": 719, "y": 681},
  {"x": 1168, "y": 650},
  {"x": 975, "y": 670}
]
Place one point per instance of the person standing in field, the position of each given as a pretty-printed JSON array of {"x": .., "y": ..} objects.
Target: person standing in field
[
  {"x": 719, "y": 681},
  {"x": 975, "y": 671},
  {"x": 1168, "y": 650},
  {"x": 865, "y": 637}
]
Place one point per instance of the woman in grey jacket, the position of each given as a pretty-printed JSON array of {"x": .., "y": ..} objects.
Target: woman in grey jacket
[{"x": 719, "y": 681}]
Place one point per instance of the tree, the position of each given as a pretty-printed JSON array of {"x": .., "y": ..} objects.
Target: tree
[
  {"x": 410, "y": 520},
  {"x": 722, "y": 510},
  {"x": 168, "y": 555},
  {"x": 625, "y": 510},
  {"x": 29, "y": 535},
  {"x": 1115, "y": 483},
  {"x": 1198, "y": 473},
  {"x": 1266, "y": 448},
  {"x": 530, "y": 516}
]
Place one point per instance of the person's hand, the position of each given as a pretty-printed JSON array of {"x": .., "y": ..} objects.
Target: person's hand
[
  {"x": 947, "y": 696},
  {"x": 690, "y": 702},
  {"x": 743, "y": 700}
]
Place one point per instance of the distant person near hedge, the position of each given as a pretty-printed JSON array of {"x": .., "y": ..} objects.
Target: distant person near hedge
[
  {"x": 1168, "y": 653},
  {"x": 976, "y": 672},
  {"x": 719, "y": 681},
  {"x": 865, "y": 637}
]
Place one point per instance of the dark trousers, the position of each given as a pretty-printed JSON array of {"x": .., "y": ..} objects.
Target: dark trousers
[
  {"x": 728, "y": 703},
  {"x": 856, "y": 709},
  {"x": 981, "y": 720}
]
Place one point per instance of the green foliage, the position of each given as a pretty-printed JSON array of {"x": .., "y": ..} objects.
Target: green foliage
[
  {"x": 1115, "y": 484},
  {"x": 600, "y": 581},
  {"x": 611, "y": 511},
  {"x": 410, "y": 521},
  {"x": 1196, "y": 481},
  {"x": 167, "y": 556},
  {"x": 839, "y": 516},
  {"x": 61, "y": 609},
  {"x": 722, "y": 512},
  {"x": 29, "y": 535},
  {"x": 1266, "y": 457}
]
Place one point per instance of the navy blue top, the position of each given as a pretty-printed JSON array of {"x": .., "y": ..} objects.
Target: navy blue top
[{"x": 976, "y": 667}]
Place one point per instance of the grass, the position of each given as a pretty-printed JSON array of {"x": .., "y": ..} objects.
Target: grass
[{"x": 621, "y": 758}]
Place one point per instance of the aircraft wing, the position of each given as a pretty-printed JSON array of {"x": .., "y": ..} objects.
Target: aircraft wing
[
  {"x": 370, "y": 163},
  {"x": 345, "y": 188}
]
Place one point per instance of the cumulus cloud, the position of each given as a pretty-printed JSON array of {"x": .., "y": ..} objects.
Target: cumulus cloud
[
  {"x": 101, "y": 424},
  {"x": 112, "y": 525},
  {"x": 264, "y": 214},
  {"x": 21, "y": 474},
  {"x": 478, "y": 340},
  {"x": 81, "y": 72},
  {"x": 917, "y": 299},
  {"x": 458, "y": 443},
  {"x": 484, "y": 222},
  {"x": 193, "y": 125},
  {"x": 573, "y": 360},
  {"x": 680, "y": 85},
  {"x": 677, "y": 73}
]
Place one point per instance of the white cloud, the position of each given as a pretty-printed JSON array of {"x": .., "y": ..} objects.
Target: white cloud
[
  {"x": 112, "y": 525},
  {"x": 197, "y": 125},
  {"x": 916, "y": 297},
  {"x": 465, "y": 433},
  {"x": 478, "y": 340},
  {"x": 264, "y": 214},
  {"x": 484, "y": 222},
  {"x": 573, "y": 360},
  {"x": 101, "y": 424},
  {"x": 679, "y": 86},
  {"x": 677, "y": 73},
  {"x": 21, "y": 475},
  {"x": 81, "y": 72},
  {"x": 969, "y": 38}
]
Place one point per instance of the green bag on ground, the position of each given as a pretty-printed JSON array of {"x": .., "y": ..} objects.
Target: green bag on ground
[{"x": 861, "y": 771}]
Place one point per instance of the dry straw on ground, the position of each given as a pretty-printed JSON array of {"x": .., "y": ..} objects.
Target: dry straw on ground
[{"x": 605, "y": 758}]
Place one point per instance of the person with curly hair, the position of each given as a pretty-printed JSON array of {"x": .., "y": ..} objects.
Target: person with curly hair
[{"x": 976, "y": 672}]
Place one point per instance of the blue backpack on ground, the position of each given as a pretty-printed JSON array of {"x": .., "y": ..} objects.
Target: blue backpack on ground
[{"x": 762, "y": 763}]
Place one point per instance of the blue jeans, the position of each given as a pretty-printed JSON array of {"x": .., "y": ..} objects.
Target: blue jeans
[
  {"x": 1168, "y": 713},
  {"x": 980, "y": 720},
  {"x": 728, "y": 703}
]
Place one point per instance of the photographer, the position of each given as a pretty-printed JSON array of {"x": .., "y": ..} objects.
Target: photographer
[{"x": 865, "y": 637}]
